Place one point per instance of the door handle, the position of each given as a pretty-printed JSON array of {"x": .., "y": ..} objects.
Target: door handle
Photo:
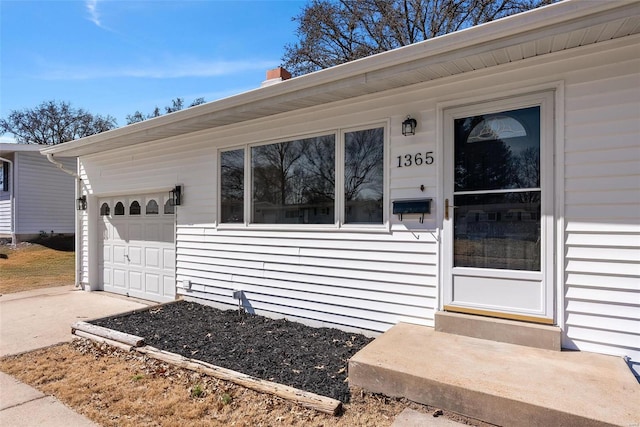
[{"x": 446, "y": 209}]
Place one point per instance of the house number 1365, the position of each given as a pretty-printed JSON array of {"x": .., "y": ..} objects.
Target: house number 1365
[{"x": 415, "y": 159}]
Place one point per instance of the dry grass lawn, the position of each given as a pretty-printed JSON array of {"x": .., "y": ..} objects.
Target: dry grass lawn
[
  {"x": 34, "y": 266},
  {"x": 117, "y": 388}
]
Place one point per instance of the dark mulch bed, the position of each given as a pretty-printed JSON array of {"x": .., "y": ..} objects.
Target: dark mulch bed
[{"x": 311, "y": 359}]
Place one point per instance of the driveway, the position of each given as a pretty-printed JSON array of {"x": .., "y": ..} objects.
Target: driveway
[{"x": 40, "y": 318}]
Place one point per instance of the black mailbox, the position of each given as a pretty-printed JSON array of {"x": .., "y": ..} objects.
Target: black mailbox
[{"x": 414, "y": 206}]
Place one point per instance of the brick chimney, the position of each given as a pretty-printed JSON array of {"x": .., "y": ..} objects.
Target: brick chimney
[{"x": 276, "y": 75}]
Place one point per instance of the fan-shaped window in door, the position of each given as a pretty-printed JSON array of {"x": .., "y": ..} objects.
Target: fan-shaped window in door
[
  {"x": 152, "y": 207},
  {"x": 496, "y": 127},
  {"x": 168, "y": 207},
  {"x": 119, "y": 209},
  {"x": 105, "y": 210},
  {"x": 134, "y": 209}
]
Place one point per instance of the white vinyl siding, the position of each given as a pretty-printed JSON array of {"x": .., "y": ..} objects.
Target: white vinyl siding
[
  {"x": 602, "y": 211},
  {"x": 5, "y": 213}
]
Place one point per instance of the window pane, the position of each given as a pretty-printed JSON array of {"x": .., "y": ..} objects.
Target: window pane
[
  {"x": 152, "y": 207},
  {"x": 498, "y": 151},
  {"x": 294, "y": 182},
  {"x": 104, "y": 209},
  {"x": 119, "y": 209},
  {"x": 232, "y": 186},
  {"x": 168, "y": 207},
  {"x": 364, "y": 172},
  {"x": 498, "y": 231},
  {"x": 134, "y": 209}
]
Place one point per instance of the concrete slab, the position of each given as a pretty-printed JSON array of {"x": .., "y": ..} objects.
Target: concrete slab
[
  {"x": 499, "y": 383},
  {"x": 40, "y": 318},
  {"x": 412, "y": 418},
  {"x": 46, "y": 411},
  {"x": 13, "y": 392}
]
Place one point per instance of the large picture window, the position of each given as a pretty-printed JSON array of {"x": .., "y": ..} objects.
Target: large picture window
[
  {"x": 293, "y": 182},
  {"x": 297, "y": 181}
]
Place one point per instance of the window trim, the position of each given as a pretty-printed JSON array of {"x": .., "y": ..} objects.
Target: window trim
[{"x": 339, "y": 204}]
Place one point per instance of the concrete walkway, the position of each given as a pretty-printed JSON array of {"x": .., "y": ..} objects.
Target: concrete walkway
[{"x": 40, "y": 318}]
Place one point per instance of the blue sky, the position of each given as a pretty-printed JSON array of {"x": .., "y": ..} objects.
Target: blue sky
[{"x": 118, "y": 56}]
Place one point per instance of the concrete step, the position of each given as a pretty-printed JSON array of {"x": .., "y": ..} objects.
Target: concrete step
[{"x": 499, "y": 383}]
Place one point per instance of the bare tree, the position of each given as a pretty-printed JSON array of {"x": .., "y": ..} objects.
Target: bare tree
[
  {"x": 333, "y": 32},
  {"x": 177, "y": 104},
  {"x": 52, "y": 123}
]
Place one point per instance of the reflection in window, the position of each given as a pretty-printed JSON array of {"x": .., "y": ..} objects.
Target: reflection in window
[
  {"x": 118, "y": 209},
  {"x": 294, "y": 181},
  {"x": 152, "y": 207},
  {"x": 232, "y": 186},
  {"x": 134, "y": 209},
  {"x": 499, "y": 230},
  {"x": 105, "y": 210},
  {"x": 499, "y": 151},
  {"x": 363, "y": 176},
  {"x": 168, "y": 207}
]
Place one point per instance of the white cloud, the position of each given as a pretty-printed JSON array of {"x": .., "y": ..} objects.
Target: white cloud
[
  {"x": 92, "y": 8},
  {"x": 169, "y": 69}
]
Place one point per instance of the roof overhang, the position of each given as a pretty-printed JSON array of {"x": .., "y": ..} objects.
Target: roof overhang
[
  {"x": 9, "y": 148},
  {"x": 561, "y": 26}
]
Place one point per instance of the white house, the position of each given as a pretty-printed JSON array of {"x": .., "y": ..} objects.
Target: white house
[
  {"x": 36, "y": 197},
  {"x": 518, "y": 196}
]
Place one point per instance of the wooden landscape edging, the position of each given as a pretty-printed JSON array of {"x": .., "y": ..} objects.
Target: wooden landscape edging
[
  {"x": 110, "y": 334},
  {"x": 132, "y": 342}
]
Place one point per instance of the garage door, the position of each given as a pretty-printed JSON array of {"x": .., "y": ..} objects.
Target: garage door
[{"x": 138, "y": 249}]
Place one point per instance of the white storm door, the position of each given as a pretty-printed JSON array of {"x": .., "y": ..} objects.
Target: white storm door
[{"x": 498, "y": 213}]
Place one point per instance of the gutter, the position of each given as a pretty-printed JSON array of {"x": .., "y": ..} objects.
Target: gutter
[
  {"x": 13, "y": 201},
  {"x": 77, "y": 238}
]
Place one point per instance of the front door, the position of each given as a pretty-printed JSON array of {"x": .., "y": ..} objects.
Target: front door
[{"x": 498, "y": 210}]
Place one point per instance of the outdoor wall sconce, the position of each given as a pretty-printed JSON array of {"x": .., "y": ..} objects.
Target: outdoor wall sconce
[
  {"x": 176, "y": 195},
  {"x": 81, "y": 203},
  {"x": 409, "y": 126}
]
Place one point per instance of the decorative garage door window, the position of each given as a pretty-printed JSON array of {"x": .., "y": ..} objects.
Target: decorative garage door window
[
  {"x": 134, "y": 209},
  {"x": 105, "y": 210},
  {"x": 152, "y": 207},
  {"x": 296, "y": 181}
]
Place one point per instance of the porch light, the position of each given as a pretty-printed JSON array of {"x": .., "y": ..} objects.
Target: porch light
[
  {"x": 176, "y": 195},
  {"x": 81, "y": 203},
  {"x": 409, "y": 126}
]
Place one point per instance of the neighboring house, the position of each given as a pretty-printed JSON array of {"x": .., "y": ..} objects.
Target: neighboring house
[
  {"x": 36, "y": 197},
  {"x": 517, "y": 197}
]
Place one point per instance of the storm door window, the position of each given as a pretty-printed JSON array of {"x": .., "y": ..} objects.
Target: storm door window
[
  {"x": 232, "y": 186},
  {"x": 497, "y": 191},
  {"x": 105, "y": 210},
  {"x": 152, "y": 207},
  {"x": 364, "y": 176},
  {"x": 293, "y": 182},
  {"x": 134, "y": 209},
  {"x": 119, "y": 209}
]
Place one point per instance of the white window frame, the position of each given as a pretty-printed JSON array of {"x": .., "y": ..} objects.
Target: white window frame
[{"x": 339, "y": 197}]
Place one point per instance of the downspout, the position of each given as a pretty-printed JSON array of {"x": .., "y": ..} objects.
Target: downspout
[
  {"x": 12, "y": 200},
  {"x": 78, "y": 241}
]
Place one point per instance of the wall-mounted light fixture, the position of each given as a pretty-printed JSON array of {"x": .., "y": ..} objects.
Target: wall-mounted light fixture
[
  {"x": 81, "y": 203},
  {"x": 176, "y": 195},
  {"x": 409, "y": 126}
]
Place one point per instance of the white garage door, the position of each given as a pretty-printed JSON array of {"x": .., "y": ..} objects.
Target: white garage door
[{"x": 138, "y": 249}]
